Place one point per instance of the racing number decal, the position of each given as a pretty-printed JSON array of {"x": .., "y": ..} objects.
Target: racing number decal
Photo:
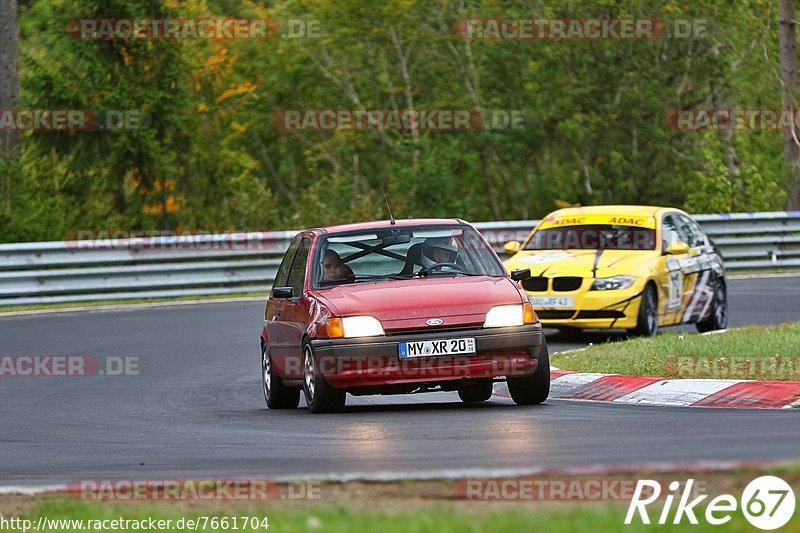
[
  {"x": 674, "y": 284},
  {"x": 675, "y": 289}
]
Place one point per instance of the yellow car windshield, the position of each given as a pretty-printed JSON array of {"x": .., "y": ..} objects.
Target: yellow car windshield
[{"x": 593, "y": 237}]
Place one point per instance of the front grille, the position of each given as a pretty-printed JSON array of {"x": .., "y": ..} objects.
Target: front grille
[
  {"x": 432, "y": 329},
  {"x": 537, "y": 284},
  {"x": 567, "y": 283},
  {"x": 555, "y": 314},
  {"x": 601, "y": 314}
]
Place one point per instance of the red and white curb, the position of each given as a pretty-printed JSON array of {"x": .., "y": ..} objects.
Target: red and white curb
[{"x": 647, "y": 390}]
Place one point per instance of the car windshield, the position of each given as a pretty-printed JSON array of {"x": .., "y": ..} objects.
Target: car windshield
[
  {"x": 403, "y": 253},
  {"x": 593, "y": 237}
]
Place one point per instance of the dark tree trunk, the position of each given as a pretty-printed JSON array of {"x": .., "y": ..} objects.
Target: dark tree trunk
[
  {"x": 787, "y": 42},
  {"x": 9, "y": 67},
  {"x": 9, "y": 89}
]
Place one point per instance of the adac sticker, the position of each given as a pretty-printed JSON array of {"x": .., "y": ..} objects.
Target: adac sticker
[{"x": 613, "y": 220}]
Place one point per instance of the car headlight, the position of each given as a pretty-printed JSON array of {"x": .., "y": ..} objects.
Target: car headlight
[
  {"x": 614, "y": 283},
  {"x": 354, "y": 326},
  {"x": 501, "y": 316}
]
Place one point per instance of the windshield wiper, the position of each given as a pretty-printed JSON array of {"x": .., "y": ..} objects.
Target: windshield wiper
[
  {"x": 429, "y": 273},
  {"x": 386, "y": 276}
]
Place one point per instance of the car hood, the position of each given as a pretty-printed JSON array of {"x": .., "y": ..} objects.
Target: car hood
[
  {"x": 581, "y": 263},
  {"x": 408, "y": 304}
]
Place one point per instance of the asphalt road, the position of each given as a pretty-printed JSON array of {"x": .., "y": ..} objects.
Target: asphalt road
[{"x": 195, "y": 409}]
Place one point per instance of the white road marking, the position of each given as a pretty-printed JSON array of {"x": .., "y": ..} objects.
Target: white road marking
[
  {"x": 567, "y": 384},
  {"x": 683, "y": 392}
]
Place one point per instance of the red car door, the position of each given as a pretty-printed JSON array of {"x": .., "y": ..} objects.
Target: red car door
[
  {"x": 291, "y": 318},
  {"x": 275, "y": 306}
]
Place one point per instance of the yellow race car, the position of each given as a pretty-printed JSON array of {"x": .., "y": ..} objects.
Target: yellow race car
[{"x": 621, "y": 266}]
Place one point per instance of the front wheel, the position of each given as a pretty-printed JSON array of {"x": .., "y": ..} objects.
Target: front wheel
[
  {"x": 320, "y": 396},
  {"x": 718, "y": 315},
  {"x": 647, "y": 322},
  {"x": 533, "y": 389},
  {"x": 277, "y": 395}
]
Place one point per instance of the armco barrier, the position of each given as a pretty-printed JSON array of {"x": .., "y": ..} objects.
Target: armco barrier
[{"x": 201, "y": 265}]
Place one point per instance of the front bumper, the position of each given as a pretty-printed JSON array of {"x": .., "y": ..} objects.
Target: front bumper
[
  {"x": 375, "y": 361},
  {"x": 592, "y": 309}
]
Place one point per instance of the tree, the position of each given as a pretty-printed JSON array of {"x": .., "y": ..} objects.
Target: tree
[
  {"x": 9, "y": 90},
  {"x": 787, "y": 40}
]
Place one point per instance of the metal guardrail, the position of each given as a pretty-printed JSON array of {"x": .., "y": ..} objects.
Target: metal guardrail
[{"x": 200, "y": 265}]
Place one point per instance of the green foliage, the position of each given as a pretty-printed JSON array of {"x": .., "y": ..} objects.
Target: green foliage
[
  {"x": 211, "y": 157},
  {"x": 715, "y": 189}
]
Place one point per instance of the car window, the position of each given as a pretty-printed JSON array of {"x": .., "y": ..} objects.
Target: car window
[
  {"x": 693, "y": 232},
  {"x": 593, "y": 237},
  {"x": 283, "y": 270},
  {"x": 388, "y": 254},
  {"x": 672, "y": 231},
  {"x": 297, "y": 274}
]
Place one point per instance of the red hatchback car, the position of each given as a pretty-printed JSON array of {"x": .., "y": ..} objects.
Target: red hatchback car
[{"x": 398, "y": 307}]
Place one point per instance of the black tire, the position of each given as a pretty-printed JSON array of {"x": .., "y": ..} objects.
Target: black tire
[
  {"x": 277, "y": 395},
  {"x": 320, "y": 396},
  {"x": 718, "y": 314},
  {"x": 533, "y": 389},
  {"x": 647, "y": 322},
  {"x": 479, "y": 392}
]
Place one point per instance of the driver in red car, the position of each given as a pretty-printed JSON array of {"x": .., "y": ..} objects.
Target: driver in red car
[
  {"x": 436, "y": 251},
  {"x": 334, "y": 269}
]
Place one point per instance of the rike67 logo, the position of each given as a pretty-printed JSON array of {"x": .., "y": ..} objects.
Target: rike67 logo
[{"x": 767, "y": 502}]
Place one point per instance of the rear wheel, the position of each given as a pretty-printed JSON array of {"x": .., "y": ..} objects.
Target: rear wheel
[
  {"x": 647, "y": 323},
  {"x": 320, "y": 396},
  {"x": 479, "y": 392},
  {"x": 533, "y": 389},
  {"x": 718, "y": 316},
  {"x": 277, "y": 395}
]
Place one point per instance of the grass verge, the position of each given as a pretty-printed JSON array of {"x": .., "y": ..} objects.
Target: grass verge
[
  {"x": 754, "y": 352},
  {"x": 409, "y": 505},
  {"x": 340, "y": 519}
]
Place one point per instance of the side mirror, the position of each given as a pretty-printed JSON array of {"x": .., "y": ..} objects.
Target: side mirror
[
  {"x": 677, "y": 248},
  {"x": 512, "y": 247},
  {"x": 520, "y": 275},
  {"x": 282, "y": 292}
]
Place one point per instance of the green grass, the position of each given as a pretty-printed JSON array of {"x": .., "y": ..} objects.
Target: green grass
[
  {"x": 131, "y": 301},
  {"x": 480, "y": 517},
  {"x": 755, "y": 352}
]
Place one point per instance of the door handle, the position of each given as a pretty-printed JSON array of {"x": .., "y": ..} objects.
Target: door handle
[{"x": 277, "y": 314}]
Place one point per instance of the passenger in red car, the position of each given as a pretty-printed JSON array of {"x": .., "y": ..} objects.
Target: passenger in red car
[{"x": 334, "y": 269}]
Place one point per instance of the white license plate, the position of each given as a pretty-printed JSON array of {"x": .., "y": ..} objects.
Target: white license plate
[
  {"x": 434, "y": 348},
  {"x": 552, "y": 301}
]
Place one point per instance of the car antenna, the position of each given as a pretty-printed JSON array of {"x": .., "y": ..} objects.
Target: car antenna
[{"x": 388, "y": 208}]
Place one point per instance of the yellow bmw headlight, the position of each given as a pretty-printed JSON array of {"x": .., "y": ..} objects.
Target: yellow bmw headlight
[{"x": 613, "y": 283}]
